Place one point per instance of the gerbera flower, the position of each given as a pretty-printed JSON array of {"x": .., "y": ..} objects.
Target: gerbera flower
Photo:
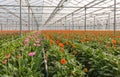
[
  {"x": 63, "y": 61},
  {"x": 31, "y": 54},
  {"x": 61, "y": 44}
]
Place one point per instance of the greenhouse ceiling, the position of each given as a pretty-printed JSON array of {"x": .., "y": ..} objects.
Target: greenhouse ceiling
[{"x": 60, "y": 12}]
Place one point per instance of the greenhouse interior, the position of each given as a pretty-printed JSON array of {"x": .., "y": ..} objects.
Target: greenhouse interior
[{"x": 59, "y": 38}]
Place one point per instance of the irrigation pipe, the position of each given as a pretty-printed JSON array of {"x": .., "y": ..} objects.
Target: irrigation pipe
[{"x": 45, "y": 62}]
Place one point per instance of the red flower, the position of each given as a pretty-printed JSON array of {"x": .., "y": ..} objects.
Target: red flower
[{"x": 63, "y": 61}]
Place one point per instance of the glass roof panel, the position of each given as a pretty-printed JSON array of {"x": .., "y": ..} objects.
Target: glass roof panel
[{"x": 47, "y": 12}]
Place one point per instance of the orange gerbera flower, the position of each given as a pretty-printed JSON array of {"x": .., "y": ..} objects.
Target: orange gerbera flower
[
  {"x": 114, "y": 41},
  {"x": 119, "y": 42},
  {"x": 118, "y": 36},
  {"x": 61, "y": 44},
  {"x": 51, "y": 42},
  {"x": 83, "y": 40},
  {"x": 66, "y": 42},
  {"x": 63, "y": 61},
  {"x": 58, "y": 41}
]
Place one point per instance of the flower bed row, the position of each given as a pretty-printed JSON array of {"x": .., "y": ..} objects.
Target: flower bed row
[
  {"x": 97, "y": 54},
  {"x": 25, "y": 59},
  {"x": 68, "y": 54},
  {"x": 7, "y": 36}
]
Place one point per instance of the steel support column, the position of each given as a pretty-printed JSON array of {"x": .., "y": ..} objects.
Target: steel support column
[
  {"x": 29, "y": 18},
  {"x": 72, "y": 22},
  {"x": 69, "y": 25},
  {"x": 1, "y": 27},
  {"x": 109, "y": 21},
  {"x": 16, "y": 26},
  {"x": 65, "y": 24},
  {"x": 79, "y": 24},
  {"x": 61, "y": 23},
  {"x": 94, "y": 23},
  {"x": 6, "y": 23},
  {"x": 55, "y": 26},
  {"x": 85, "y": 20},
  {"x": 20, "y": 19},
  {"x": 114, "y": 17},
  {"x": 33, "y": 27}
]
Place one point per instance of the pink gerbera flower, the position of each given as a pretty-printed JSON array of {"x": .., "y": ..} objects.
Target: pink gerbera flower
[
  {"x": 31, "y": 54},
  {"x": 27, "y": 40},
  {"x": 36, "y": 44}
]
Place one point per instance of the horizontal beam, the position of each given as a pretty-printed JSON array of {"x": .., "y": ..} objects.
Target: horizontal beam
[
  {"x": 38, "y": 6},
  {"x": 32, "y": 13},
  {"x": 55, "y": 6}
]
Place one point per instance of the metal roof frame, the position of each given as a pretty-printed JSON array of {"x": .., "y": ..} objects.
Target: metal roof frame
[{"x": 51, "y": 12}]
